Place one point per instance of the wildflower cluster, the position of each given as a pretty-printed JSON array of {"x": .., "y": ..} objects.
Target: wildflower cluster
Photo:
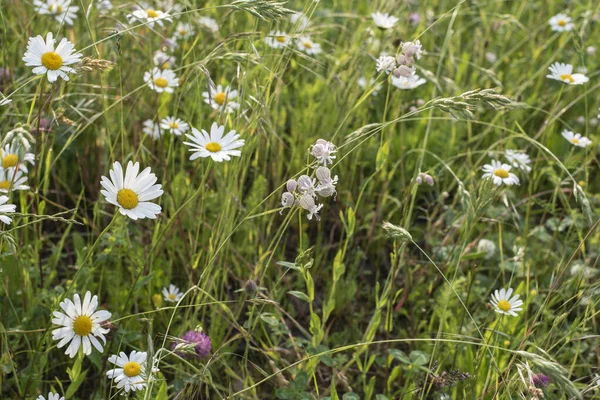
[
  {"x": 304, "y": 191},
  {"x": 402, "y": 66}
]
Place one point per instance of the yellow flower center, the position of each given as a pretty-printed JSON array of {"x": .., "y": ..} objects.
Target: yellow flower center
[
  {"x": 280, "y": 39},
  {"x": 55, "y": 8},
  {"x": 165, "y": 65},
  {"x": 171, "y": 296},
  {"x": 174, "y": 125},
  {"x": 562, "y": 22},
  {"x": 220, "y": 98},
  {"x": 567, "y": 77},
  {"x": 182, "y": 32},
  {"x": 501, "y": 173},
  {"x": 82, "y": 325},
  {"x": 127, "y": 198},
  {"x": 10, "y": 160},
  {"x": 213, "y": 147},
  {"x": 51, "y": 60},
  {"x": 575, "y": 141},
  {"x": 151, "y": 13},
  {"x": 504, "y": 305},
  {"x": 161, "y": 82},
  {"x": 5, "y": 185},
  {"x": 132, "y": 369},
  {"x": 307, "y": 45}
]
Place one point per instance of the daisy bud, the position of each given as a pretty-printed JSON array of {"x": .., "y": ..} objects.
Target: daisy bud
[
  {"x": 291, "y": 185},
  {"x": 419, "y": 179}
]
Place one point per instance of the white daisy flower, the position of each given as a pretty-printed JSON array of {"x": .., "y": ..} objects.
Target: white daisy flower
[
  {"x": 300, "y": 19},
  {"x": 152, "y": 129},
  {"x": 561, "y": 23},
  {"x": 163, "y": 60},
  {"x": 12, "y": 179},
  {"x": 149, "y": 16},
  {"x": 174, "y": 125},
  {"x": 170, "y": 43},
  {"x": 384, "y": 20},
  {"x": 51, "y": 396},
  {"x": 209, "y": 23},
  {"x": 172, "y": 294},
  {"x": 130, "y": 373},
  {"x": 219, "y": 98},
  {"x": 408, "y": 82},
  {"x": 132, "y": 193},
  {"x": 184, "y": 31},
  {"x": 308, "y": 46},
  {"x": 277, "y": 39},
  {"x": 564, "y": 73},
  {"x": 81, "y": 325},
  {"x": 104, "y": 5},
  {"x": 307, "y": 202},
  {"x": 385, "y": 63},
  {"x": 61, "y": 10},
  {"x": 518, "y": 160},
  {"x": 576, "y": 139},
  {"x": 362, "y": 82},
  {"x": 499, "y": 173},
  {"x": 12, "y": 157},
  {"x": 161, "y": 80},
  {"x": 323, "y": 151},
  {"x": 47, "y": 59},
  {"x": 504, "y": 304},
  {"x": 214, "y": 145},
  {"x": 6, "y": 209}
]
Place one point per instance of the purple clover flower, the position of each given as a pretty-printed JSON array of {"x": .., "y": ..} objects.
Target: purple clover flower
[{"x": 202, "y": 343}]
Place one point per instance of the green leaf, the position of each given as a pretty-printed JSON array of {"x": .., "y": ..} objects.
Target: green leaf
[
  {"x": 75, "y": 385},
  {"x": 419, "y": 357},
  {"x": 301, "y": 380},
  {"x": 350, "y": 396},
  {"x": 400, "y": 356},
  {"x": 382, "y": 154},
  {"x": 162, "y": 392},
  {"x": 310, "y": 286},
  {"x": 300, "y": 295},
  {"x": 289, "y": 265},
  {"x": 269, "y": 319},
  {"x": 286, "y": 393}
]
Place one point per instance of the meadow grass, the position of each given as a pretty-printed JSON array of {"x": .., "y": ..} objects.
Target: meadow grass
[{"x": 387, "y": 296}]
